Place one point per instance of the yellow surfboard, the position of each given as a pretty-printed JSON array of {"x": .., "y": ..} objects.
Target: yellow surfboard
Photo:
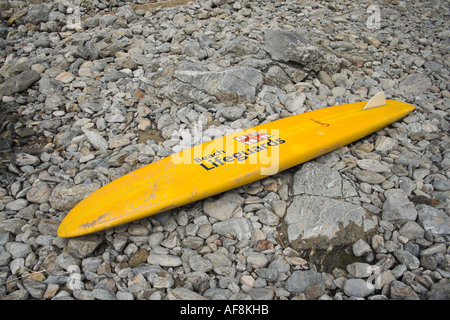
[{"x": 229, "y": 162}]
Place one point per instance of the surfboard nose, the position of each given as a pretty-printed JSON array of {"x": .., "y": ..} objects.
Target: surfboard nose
[
  {"x": 71, "y": 227},
  {"x": 63, "y": 230}
]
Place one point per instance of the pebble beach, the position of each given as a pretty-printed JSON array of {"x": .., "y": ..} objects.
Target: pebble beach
[{"x": 92, "y": 90}]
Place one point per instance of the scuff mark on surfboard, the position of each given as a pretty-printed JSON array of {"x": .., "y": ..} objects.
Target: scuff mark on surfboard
[{"x": 96, "y": 221}]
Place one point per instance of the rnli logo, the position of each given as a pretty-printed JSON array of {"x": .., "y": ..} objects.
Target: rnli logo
[{"x": 253, "y": 138}]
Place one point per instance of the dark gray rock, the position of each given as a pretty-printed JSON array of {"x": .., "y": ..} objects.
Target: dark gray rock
[
  {"x": 37, "y": 13},
  {"x": 19, "y": 82},
  {"x": 309, "y": 282},
  {"x": 82, "y": 247}
]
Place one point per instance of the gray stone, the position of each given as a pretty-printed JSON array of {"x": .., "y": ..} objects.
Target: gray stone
[
  {"x": 401, "y": 291},
  {"x": 241, "y": 228},
  {"x": 37, "y": 14},
  {"x": 326, "y": 79},
  {"x": 230, "y": 86},
  {"x": 361, "y": 248},
  {"x": 359, "y": 269},
  {"x": 439, "y": 291},
  {"x": 183, "y": 294},
  {"x": 317, "y": 179},
  {"x": 241, "y": 46},
  {"x": 224, "y": 207},
  {"x": 231, "y": 113},
  {"x": 397, "y": 208},
  {"x": 66, "y": 196},
  {"x": 113, "y": 76},
  {"x": 309, "y": 282},
  {"x": 18, "y": 249},
  {"x": 261, "y": 293},
  {"x": 122, "y": 295},
  {"x": 65, "y": 260},
  {"x": 257, "y": 260},
  {"x": 164, "y": 260},
  {"x": 433, "y": 220},
  {"x": 358, "y": 288},
  {"x": 35, "y": 288},
  {"x": 385, "y": 144},
  {"x": 267, "y": 217},
  {"x": 319, "y": 220},
  {"x": 436, "y": 248},
  {"x": 16, "y": 205},
  {"x": 197, "y": 263},
  {"x": 218, "y": 259},
  {"x": 163, "y": 282},
  {"x": 39, "y": 193},
  {"x": 103, "y": 294},
  {"x": 370, "y": 177},
  {"x": 415, "y": 83},
  {"x": 194, "y": 50},
  {"x": 13, "y": 225},
  {"x": 406, "y": 258},
  {"x": 270, "y": 274},
  {"x": 290, "y": 46},
  {"x": 48, "y": 227},
  {"x": 25, "y": 159},
  {"x": 5, "y": 257},
  {"x": 83, "y": 246},
  {"x": 372, "y": 165},
  {"x": 127, "y": 13},
  {"x": 411, "y": 230},
  {"x": 441, "y": 183}
]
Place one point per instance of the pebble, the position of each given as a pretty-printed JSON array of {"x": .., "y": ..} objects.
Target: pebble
[
  {"x": 358, "y": 288},
  {"x": 96, "y": 104},
  {"x": 65, "y": 77}
]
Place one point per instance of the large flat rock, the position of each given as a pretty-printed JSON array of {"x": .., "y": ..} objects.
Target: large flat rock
[{"x": 324, "y": 211}]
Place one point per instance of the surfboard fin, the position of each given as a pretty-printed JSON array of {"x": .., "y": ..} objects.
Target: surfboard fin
[{"x": 377, "y": 100}]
